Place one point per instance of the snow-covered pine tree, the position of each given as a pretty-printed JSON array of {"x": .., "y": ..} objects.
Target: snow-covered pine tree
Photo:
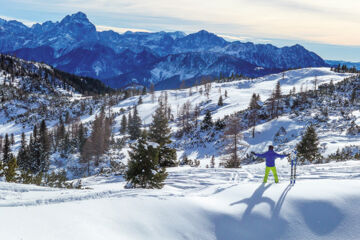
[
  {"x": 143, "y": 166},
  {"x": 212, "y": 162},
  {"x": 134, "y": 125},
  {"x": 160, "y": 134},
  {"x": 308, "y": 148},
  {"x": 6, "y": 150},
  {"x": 23, "y": 157},
  {"x": 1, "y": 143},
  {"x": 10, "y": 170},
  {"x": 253, "y": 107},
  {"x": 207, "y": 122},
  {"x": 123, "y": 124},
  {"x": 220, "y": 102},
  {"x": 12, "y": 139},
  {"x": 35, "y": 149},
  {"x": 143, "y": 91},
  {"x": 81, "y": 137},
  {"x": 277, "y": 98},
  {"x": 44, "y": 147},
  {"x": 140, "y": 101}
]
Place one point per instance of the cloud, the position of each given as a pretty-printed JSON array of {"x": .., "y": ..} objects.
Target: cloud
[
  {"x": 25, "y": 22},
  {"x": 101, "y": 28}
]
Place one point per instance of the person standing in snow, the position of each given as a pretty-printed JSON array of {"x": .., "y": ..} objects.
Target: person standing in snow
[{"x": 270, "y": 157}]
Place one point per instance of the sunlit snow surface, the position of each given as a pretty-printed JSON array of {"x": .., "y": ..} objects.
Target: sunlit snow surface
[{"x": 196, "y": 203}]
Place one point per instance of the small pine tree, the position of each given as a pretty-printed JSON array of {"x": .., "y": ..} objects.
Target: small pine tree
[
  {"x": 134, "y": 125},
  {"x": 308, "y": 148},
  {"x": 207, "y": 122},
  {"x": 143, "y": 166},
  {"x": 220, "y": 102},
  {"x": 10, "y": 170},
  {"x": 23, "y": 155},
  {"x": 140, "y": 101},
  {"x": 44, "y": 146},
  {"x": 6, "y": 150},
  {"x": 12, "y": 139},
  {"x": 160, "y": 134},
  {"x": 212, "y": 161},
  {"x": 35, "y": 151},
  {"x": 143, "y": 91},
  {"x": 253, "y": 116},
  {"x": 123, "y": 124}
]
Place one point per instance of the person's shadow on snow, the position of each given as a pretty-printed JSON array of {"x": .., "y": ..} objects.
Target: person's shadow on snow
[
  {"x": 253, "y": 225},
  {"x": 257, "y": 226}
]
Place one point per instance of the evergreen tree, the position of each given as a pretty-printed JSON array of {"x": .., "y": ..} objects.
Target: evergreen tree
[
  {"x": 129, "y": 120},
  {"x": 140, "y": 101},
  {"x": 135, "y": 125},
  {"x": 253, "y": 107},
  {"x": 81, "y": 137},
  {"x": 35, "y": 151},
  {"x": 308, "y": 148},
  {"x": 212, "y": 162},
  {"x": 160, "y": 134},
  {"x": 10, "y": 170},
  {"x": 123, "y": 124},
  {"x": 277, "y": 98},
  {"x": 44, "y": 143},
  {"x": 220, "y": 102},
  {"x": 6, "y": 150},
  {"x": 23, "y": 157},
  {"x": 60, "y": 133},
  {"x": 12, "y": 139},
  {"x": 207, "y": 122},
  {"x": 143, "y": 166}
]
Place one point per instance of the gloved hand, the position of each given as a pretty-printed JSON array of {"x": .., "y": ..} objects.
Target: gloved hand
[{"x": 252, "y": 152}]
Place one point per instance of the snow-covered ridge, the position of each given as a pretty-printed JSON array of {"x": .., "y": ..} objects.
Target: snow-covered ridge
[{"x": 122, "y": 59}]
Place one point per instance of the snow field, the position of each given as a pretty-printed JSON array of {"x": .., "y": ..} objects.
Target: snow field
[{"x": 196, "y": 203}]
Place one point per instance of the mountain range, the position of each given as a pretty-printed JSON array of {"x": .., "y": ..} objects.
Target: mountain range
[{"x": 162, "y": 58}]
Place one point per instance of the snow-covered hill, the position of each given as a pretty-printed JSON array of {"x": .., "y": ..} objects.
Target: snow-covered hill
[{"x": 207, "y": 204}]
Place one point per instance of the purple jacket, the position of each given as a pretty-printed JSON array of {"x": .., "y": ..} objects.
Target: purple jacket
[{"x": 270, "y": 157}]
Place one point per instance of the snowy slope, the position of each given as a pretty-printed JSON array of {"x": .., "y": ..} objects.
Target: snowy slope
[
  {"x": 239, "y": 95},
  {"x": 239, "y": 92},
  {"x": 195, "y": 203}
]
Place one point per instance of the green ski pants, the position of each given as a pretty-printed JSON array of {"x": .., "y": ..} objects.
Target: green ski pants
[{"x": 267, "y": 170}]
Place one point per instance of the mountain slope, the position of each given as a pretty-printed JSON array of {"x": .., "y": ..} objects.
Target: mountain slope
[{"x": 74, "y": 45}]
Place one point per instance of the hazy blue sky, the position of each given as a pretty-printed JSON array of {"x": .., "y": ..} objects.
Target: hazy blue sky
[{"x": 327, "y": 27}]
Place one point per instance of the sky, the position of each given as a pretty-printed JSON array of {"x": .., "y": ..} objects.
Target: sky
[{"x": 328, "y": 27}]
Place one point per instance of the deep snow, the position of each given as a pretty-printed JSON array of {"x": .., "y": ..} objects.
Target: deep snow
[{"x": 196, "y": 203}]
